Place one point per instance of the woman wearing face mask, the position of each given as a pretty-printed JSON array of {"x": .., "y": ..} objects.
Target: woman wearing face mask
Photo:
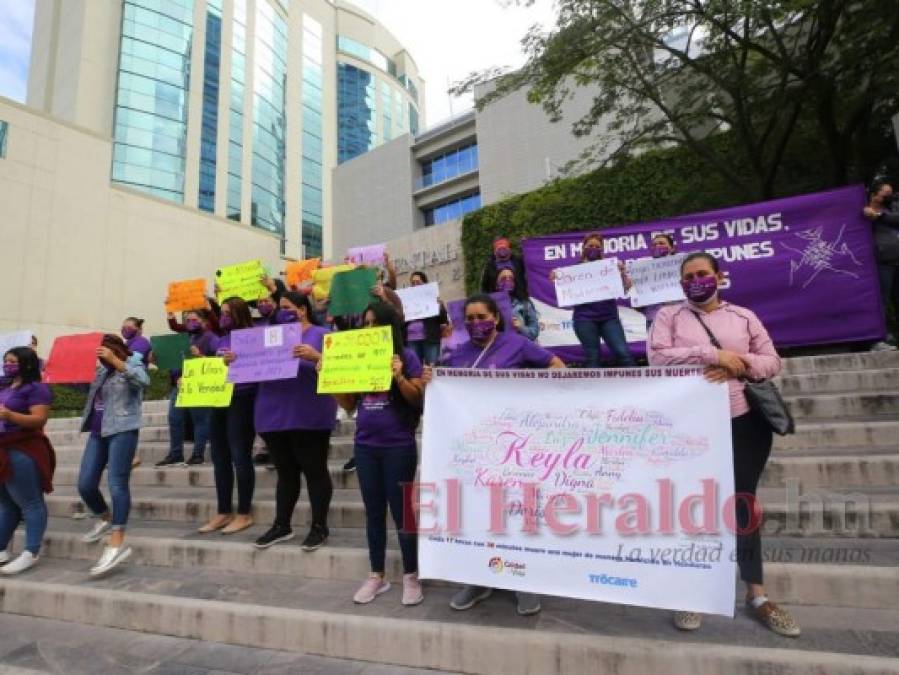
[
  {"x": 662, "y": 246},
  {"x": 296, "y": 424},
  {"x": 423, "y": 336},
  {"x": 27, "y": 460},
  {"x": 491, "y": 347},
  {"x": 132, "y": 333},
  {"x": 678, "y": 337},
  {"x": 112, "y": 415},
  {"x": 524, "y": 314},
  {"x": 594, "y": 321},
  {"x": 202, "y": 343},
  {"x": 502, "y": 259},
  {"x": 386, "y": 458},
  {"x": 267, "y": 307},
  {"x": 232, "y": 434}
]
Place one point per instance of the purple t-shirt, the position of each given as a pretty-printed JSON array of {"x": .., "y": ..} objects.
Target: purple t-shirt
[
  {"x": 415, "y": 331},
  {"x": 601, "y": 310},
  {"x": 508, "y": 351},
  {"x": 21, "y": 399},
  {"x": 140, "y": 345},
  {"x": 379, "y": 421},
  {"x": 283, "y": 405},
  {"x": 96, "y": 422}
]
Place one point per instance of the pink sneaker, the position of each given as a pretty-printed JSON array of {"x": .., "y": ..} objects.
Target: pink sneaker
[
  {"x": 370, "y": 589},
  {"x": 412, "y": 589}
]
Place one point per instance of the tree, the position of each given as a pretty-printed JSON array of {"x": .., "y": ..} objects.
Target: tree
[{"x": 675, "y": 72}]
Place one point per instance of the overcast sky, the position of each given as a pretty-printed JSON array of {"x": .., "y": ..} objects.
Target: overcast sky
[{"x": 447, "y": 38}]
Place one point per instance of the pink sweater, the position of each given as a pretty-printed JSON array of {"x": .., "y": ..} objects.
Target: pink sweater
[{"x": 678, "y": 338}]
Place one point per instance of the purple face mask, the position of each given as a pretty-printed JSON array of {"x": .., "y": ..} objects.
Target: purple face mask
[
  {"x": 700, "y": 290},
  {"x": 503, "y": 253},
  {"x": 286, "y": 316},
  {"x": 593, "y": 253},
  {"x": 507, "y": 285},
  {"x": 659, "y": 251},
  {"x": 226, "y": 322},
  {"x": 480, "y": 331},
  {"x": 193, "y": 326},
  {"x": 265, "y": 307},
  {"x": 11, "y": 369},
  {"x": 128, "y": 332}
]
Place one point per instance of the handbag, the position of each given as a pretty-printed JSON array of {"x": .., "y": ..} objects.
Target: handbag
[{"x": 763, "y": 396}]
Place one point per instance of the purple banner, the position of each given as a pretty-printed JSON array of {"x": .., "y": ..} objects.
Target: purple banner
[
  {"x": 804, "y": 264},
  {"x": 264, "y": 353}
]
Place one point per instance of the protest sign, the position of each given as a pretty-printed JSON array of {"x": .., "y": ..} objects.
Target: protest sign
[
  {"x": 321, "y": 279},
  {"x": 607, "y": 485},
  {"x": 351, "y": 291},
  {"x": 73, "y": 359},
  {"x": 204, "y": 384},
  {"x": 264, "y": 353},
  {"x": 242, "y": 281},
  {"x": 366, "y": 255},
  {"x": 301, "y": 271},
  {"x": 186, "y": 295},
  {"x": 170, "y": 350},
  {"x": 588, "y": 282},
  {"x": 656, "y": 280},
  {"x": 21, "y": 338},
  {"x": 356, "y": 361},
  {"x": 420, "y": 302}
]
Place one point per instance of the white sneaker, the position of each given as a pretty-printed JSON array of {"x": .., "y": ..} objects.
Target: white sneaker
[
  {"x": 883, "y": 347},
  {"x": 25, "y": 561},
  {"x": 97, "y": 531},
  {"x": 112, "y": 557},
  {"x": 4, "y": 557}
]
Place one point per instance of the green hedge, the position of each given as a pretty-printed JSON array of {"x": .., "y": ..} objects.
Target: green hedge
[{"x": 68, "y": 401}]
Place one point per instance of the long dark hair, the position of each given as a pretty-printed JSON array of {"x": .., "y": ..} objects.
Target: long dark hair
[
  {"x": 485, "y": 299},
  {"x": 386, "y": 315},
  {"x": 299, "y": 300},
  {"x": 29, "y": 364},
  {"x": 520, "y": 292},
  {"x": 419, "y": 273},
  {"x": 701, "y": 255},
  {"x": 240, "y": 313}
]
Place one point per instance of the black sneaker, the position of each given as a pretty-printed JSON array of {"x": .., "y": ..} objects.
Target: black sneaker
[
  {"x": 317, "y": 536},
  {"x": 274, "y": 536},
  {"x": 350, "y": 466},
  {"x": 195, "y": 461},
  {"x": 169, "y": 461},
  {"x": 263, "y": 458}
]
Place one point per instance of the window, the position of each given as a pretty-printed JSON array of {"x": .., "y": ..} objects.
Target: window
[
  {"x": 452, "y": 210},
  {"x": 356, "y": 120},
  {"x": 4, "y": 132},
  {"x": 378, "y": 60},
  {"x": 312, "y": 160},
  {"x": 209, "y": 130},
  {"x": 448, "y": 165},
  {"x": 236, "y": 105}
]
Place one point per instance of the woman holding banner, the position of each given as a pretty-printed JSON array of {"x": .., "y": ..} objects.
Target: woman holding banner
[
  {"x": 524, "y": 314},
  {"x": 423, "y": 336},
  {"x": 26, "y": 456},
  {"x": 732, "y": 344},
  {"x": 596, "y": 321},
  {"x": 492, "y": 347},
  {"x": 232, "y": 434},
  {"x": 296, "y": 424},
  {"x": 386, "y": 459},
  {"x": 112, "y": 415}
]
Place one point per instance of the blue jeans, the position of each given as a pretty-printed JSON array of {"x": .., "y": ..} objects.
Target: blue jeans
[
  {"x": 427, "y": 352},
  {"x": 612, "y": 332},
  {"x": 202, "y": 420},
  {"x": 381, "y": 472},
  {"x": 116, "y": 451},
  {"x": 233, "y": 434},
  {"x": 22, "y": 496}
]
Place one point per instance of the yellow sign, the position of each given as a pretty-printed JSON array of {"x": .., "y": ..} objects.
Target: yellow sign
[
  {"x": 242, "y": 281},
  {"x": 356, "y": 361},
  {"x": 321, "y": 280},
  {"x": 204, "y": 384}
]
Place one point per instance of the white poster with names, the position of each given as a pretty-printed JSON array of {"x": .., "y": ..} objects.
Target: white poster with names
[
  {"x": 607, "y": 485},
  {"x": 420, "y": 302},
  {"x": 588, "y": 282},
  {"x": 655, "y": 280}
]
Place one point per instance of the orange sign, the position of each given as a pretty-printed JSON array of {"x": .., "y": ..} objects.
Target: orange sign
[
  {"x": 186, "y": 295},
  {"x": 300, "y": 271}
]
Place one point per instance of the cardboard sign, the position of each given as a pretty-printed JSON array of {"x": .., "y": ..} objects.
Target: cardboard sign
[
  {"x": 321, "y": 280},
  {"x": 588, "y": 282},
  {"x": 351, "y": 291},
  {"x": 357, "y": 361},
  {"x": 366, "y": 255},
  {"x": 170, "y": 350},
  {"x": 21, "y": 338},
  {"x": 298, "y": 272},
  {"x": 265, "y": 353},
  {"x": 73, "y": 359},
  {"x": 656, "y": 280},
  {"x": 186, "y": 295},
  {"x": 420, "y": 302},
  {"x": 242, "y": 281},
  {"x": 204, "y": 384}
]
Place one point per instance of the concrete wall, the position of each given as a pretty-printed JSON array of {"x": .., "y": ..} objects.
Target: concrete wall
[
  {"x": 437, "y": 251},
  {"x": 80, "y": 254}
]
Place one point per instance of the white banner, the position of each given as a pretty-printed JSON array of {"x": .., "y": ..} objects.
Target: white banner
[
  {"x": 656, "y": 280},
  {"x": 588, "y": 282},
  {"x": 557, "y": 328},
  {"x": 607, "y": 485},
  {"x": 21, "y": 338},
  {"x": 420, "y": 302}
]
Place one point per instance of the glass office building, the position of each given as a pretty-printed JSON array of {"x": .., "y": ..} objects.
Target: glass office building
[
  {"x": 312, "y": 199},
  {"x": 209, "y": 133}
]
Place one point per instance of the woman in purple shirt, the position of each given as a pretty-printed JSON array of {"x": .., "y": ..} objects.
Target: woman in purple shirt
[
  {"x": 25, "y": 455},
  {"x": 296, "y": 424},
  {"x": 232, "y": 434},
  {"x": 492, "y": 347},
  {"x": 595, "y": 321},
  {"x": 423, "y": 336},
  {"x": 386, "y": 459},
  {"x": 132, "y": 332}
]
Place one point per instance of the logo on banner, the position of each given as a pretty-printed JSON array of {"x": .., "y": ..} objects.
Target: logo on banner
[
  {"x": 820, "y": 255},
  {"x": 497, "y": 565}
]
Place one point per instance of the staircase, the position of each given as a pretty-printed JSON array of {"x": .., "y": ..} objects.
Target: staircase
[{"x": 838, "y": 572}]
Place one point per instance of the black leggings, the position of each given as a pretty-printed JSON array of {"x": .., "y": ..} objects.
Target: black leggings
[
  {"x": 232, "y": 435},
  {"x": 752, "y": 439},
  {"x": 297, "y": 452}
]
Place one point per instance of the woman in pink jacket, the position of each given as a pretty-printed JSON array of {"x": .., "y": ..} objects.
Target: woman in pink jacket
[{"x": 680, "y": 335}]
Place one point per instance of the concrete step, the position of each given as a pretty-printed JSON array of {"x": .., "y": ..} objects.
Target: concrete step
[
  {"x": 844, "y": 406},
  {"x": 880, "y": 433},
  {"x": 805, "y": 365},
  {"x": 839, "y": 382},
  {"x": 317, "y": 616}
]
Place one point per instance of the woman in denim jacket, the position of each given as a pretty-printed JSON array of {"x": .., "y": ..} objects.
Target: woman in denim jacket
[{"x": 112, "y": 415}]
